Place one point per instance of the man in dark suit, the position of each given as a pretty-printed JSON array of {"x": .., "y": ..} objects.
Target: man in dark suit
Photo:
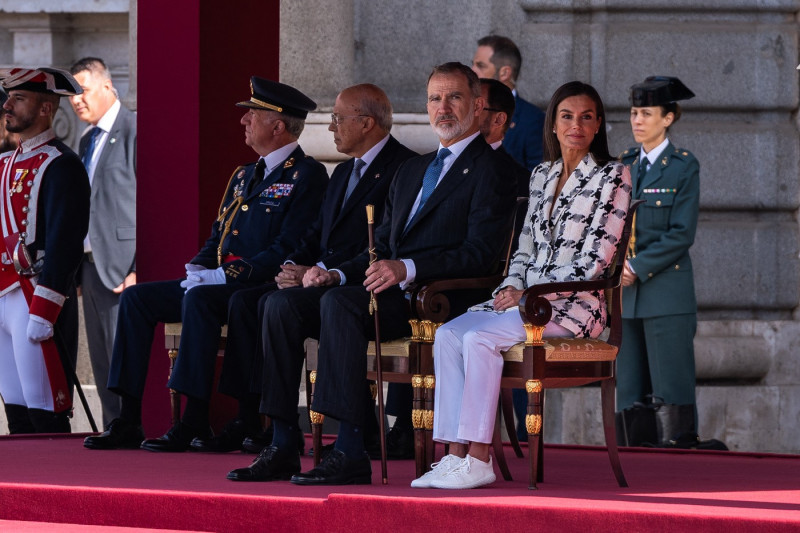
[
  {"x": 262, "y": 217},
  {"x": 360, "y": 122},
  {"x": 494, "y": 121},
  {"x": 498, "y": 58},
  {"x": 443, "y": 214},
  {"x": 108, "y": 149}
]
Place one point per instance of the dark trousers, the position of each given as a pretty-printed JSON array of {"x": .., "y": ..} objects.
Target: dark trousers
[
  {"x": 346, "y": 329},
  {"x": 657, "y": 357},
  {"x": 203, "y": 311},
  {"x": 100, "y": 309},
  {"x": 242, "y": 365},
  {"x": 289, "y": 317}
]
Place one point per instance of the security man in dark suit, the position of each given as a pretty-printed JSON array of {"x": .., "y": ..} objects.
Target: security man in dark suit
[
  {"x": 494, "y": 124},
  {"x": 659, "y": 310},
  {"x": 499, "y": 58},
  {"x": 360, "y": 122},
  {"x": 444, "y": 213},
  {"x": 266, "y": 208}
]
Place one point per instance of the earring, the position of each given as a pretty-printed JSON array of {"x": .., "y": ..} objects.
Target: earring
[{"x": 554, "y": 130}]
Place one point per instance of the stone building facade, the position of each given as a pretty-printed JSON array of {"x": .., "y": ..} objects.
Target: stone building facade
[{"x": 738, "y": 56}]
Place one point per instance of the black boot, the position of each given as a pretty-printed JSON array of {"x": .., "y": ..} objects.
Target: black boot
[
  {"x": 49, "y": 422},
  {"x": 18, "y": 419},
  {"x": 676, "y": 426},
  {"x": 636, "y": 425}
]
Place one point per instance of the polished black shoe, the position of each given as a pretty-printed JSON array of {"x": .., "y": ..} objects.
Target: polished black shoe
[
  {"x": 272, "y": 464},
  {"x": 177, "y": 439},
  {"x": 259, "y": 441},
  {"x": 119, "y": 434},
  {"x": 399, "y": 444},
  {"x": 337, "y": 469},
  {"x": 326, "y": 449},
  {"x": 231, "y": 439},
  {"x": 256, "y": 443}
]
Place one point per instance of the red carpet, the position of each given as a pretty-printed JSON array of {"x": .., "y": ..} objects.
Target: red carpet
[{"x": 57, "y": 480}]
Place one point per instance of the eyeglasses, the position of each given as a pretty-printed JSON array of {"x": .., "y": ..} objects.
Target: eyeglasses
[
  {"x": 493, "y": 109},
  {"x": 337, "y": 119}
]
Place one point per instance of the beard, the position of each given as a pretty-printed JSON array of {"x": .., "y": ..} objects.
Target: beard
[
  {"x": 21, "y": 123},
  {"x": 452, "y": 131}
]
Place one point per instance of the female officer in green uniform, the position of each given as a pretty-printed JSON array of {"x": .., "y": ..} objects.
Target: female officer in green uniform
[{"x": 659, "y": 310}]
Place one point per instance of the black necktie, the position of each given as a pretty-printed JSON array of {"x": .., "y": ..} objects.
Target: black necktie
[
  {"x": 643, "y": 168},
  {"x": 90, "y": 146},
  {"x": 258, "y": 176}
]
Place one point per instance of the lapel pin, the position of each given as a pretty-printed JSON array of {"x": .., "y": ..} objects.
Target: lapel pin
[
  {"x": 376, "y": 176},
  {"x": 112, "y": 140},
  {"x": 466, "y": 171}
]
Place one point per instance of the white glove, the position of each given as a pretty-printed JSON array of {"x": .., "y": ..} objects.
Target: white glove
[
  {"x": 39, "y": 329},
  {"x": 191, "y": 268},
  {"x": 204, "y": 277}
]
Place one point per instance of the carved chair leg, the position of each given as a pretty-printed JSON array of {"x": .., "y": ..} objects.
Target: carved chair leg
[
  {"x": 533, "y": 424},
  {"x": 607, "y": 388},
  {"x": 507, "y": 405},
  {"x": 497, "y": 447},
  {"x": 174, "y": 396},
  {"x": 430, "y": 390},
  {"x": 418, "y": 421},
  {"x": 316, "y": 422}
]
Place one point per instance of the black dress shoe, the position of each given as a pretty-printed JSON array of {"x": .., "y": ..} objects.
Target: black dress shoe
[
  {"x": 119, "y": 434},
  {"x": 271, "y": 464},
  {"x": 259, "y": 441},
  {"x": 399, "y": 444},
  {"x": 337, "y": 469},
  {"x": 229, "y": 440},
  {"x": 256, "y": 443},
  {"x": 177, "y": 439},
  {"x": 326, "y": 449}
]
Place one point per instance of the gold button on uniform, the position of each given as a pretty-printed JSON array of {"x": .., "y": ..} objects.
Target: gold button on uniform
[
  {"x": 658, "y": 202},
  {"x": 245, "y": 207},
  {"x": 677, "y": 267},
  {"x": 650, "y": 275},
  {"x": 236, "y": 232}
]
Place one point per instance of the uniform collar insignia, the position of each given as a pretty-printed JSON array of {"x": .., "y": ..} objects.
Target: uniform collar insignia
[{"x": 289, "y": 163}]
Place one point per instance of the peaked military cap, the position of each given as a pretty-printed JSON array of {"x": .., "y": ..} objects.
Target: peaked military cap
[
  {"x": 659, "y": 90},
  {"x": 40, "y": 80},
  {"x": 276, "y": 96}
]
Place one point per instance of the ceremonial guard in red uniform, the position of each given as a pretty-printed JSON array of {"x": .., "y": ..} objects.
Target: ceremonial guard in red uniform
[{"x": 44, "y": 218}]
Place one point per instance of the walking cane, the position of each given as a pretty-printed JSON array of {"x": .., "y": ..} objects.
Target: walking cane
[
  {"x": 62, "y": 351},
  {"x": 373, "y": 310}
]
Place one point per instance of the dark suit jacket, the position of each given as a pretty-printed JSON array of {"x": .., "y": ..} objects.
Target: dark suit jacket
[
  {"x": 112, "y": 221},
  {"x": 516, "y": 172},
  {"x": 460, "y": 229},
  {"x": 664, "y": 230},
  {"x": 340, "y": 232},
  {"x": 523, "y": 139},
  {"x": 271, "y": 220}
]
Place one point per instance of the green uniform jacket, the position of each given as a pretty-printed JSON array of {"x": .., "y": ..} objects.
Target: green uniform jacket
[{"x": 664, "y": 231}]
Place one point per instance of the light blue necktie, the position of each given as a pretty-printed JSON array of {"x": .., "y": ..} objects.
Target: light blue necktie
[
  {"x": 90, "y": 146},
  {"x": 432, "y": 176},
  {"x": 355, "y": 175}
]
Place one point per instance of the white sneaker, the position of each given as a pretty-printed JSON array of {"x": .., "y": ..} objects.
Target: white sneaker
[
  {"x": 447, "y": 463},
  {"x": 470, "y": 473}
]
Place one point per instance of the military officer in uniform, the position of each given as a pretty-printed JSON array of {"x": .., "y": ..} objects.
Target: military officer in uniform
[
  {"x": 45, "y": 217},
  {"x": 656, "y": 361},
  {"x": 266, "y": 209}
]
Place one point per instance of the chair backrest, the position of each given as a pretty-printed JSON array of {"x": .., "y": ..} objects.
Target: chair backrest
[
  {"x": 614, "y": 294},
  {"x": 517, "y": 221}
]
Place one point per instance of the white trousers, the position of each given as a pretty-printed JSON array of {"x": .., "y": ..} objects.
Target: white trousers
[
  {"x": 23, "y": 375},
  {"x": 468, "y": 366}
]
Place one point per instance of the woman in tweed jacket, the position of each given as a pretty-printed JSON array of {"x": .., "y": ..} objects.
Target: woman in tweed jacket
[{"x": 578, "y": 202}]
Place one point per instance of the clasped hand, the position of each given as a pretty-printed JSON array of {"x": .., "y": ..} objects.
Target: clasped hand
[
  {"x": 291, "y": 275},
  {"x": 200, "y": 275},
  {"x": 506, "y": 298}
]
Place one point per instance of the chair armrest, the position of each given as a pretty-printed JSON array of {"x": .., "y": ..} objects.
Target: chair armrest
[
  {"x": 429, "y": 299},
  {"x": 535, "y": 309}
]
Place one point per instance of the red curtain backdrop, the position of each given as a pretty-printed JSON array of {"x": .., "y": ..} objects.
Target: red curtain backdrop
[{"x": 195, "y": 60}]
